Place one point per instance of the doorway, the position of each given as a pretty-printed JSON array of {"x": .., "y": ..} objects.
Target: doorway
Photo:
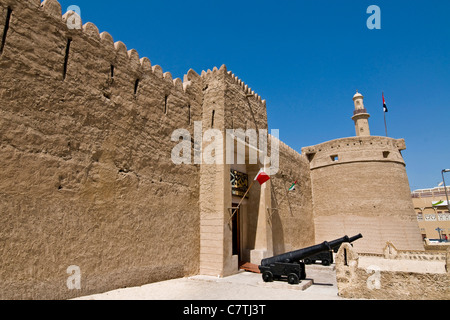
[{"x": 236, "y": 231}]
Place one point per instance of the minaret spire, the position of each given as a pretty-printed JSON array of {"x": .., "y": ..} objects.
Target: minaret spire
[{"x": 360, "y": 116}]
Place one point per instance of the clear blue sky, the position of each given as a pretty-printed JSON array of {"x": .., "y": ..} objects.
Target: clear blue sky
[{"x": 307, "y": 58}]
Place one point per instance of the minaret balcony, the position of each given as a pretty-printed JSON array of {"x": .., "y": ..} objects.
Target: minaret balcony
[{"x": 358, "y": 111}]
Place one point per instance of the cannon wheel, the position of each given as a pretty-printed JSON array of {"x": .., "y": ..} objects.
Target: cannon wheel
[
  {"x": 293, "y": 279},
  {"x": 267, "y": 276},
  {"x": 325, "y": 262}
]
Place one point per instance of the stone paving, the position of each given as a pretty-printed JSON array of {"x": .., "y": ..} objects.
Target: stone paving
[{"x": 319, "y": 285}]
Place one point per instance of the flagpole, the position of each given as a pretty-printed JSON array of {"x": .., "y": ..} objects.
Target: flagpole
[
  {"x": 285, "y": 196},
  {"x": 237, "y": 208},
  {"x": 251, "y": 185},
  {"x": 384, "y": 111}
]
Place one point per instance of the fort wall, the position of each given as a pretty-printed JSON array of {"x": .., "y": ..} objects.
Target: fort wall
[
  {"x": 87, "y": 177},
  {"x": 292, "y": 220}
]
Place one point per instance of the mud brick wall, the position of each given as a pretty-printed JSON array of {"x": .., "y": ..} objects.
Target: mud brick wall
[{"x": 86, "y": 172}]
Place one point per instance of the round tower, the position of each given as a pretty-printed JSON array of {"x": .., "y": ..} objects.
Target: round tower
[
  {"x": 360, "y": 116},
  {"x": 360, "y": 185}
]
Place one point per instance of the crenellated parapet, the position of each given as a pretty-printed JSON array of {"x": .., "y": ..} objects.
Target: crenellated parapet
[
  {"x": 247, "y": 90},
  {"x": 74, "y": 48},
  {"x": 70, "y": 24},
  {"x": 355, "y": 149},
  {"x": 231, "y": 76},
  {"x": 79, "y": 52}
]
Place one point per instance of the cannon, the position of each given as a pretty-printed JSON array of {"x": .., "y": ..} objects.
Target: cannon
[
  {"x": 289, "y": 265},
  {"x": 326, "y": 257}
]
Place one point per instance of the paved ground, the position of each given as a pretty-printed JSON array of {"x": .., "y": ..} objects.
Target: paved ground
[{"x": 319, "y": 285}]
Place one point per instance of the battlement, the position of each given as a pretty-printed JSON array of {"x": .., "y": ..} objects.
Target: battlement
[
  {"x": 70, "y": 25},
  {"x": 355, "y": 149},
  {"x": 247, "y": 90},
  {"x": 231, "y": 76},
  {"x": 77, "y": 50},
  {"x": 141, "y": 66}
]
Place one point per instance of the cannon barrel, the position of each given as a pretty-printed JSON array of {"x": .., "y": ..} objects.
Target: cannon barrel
[
  {"x": 297, "y": 255},
  {"x": 301, "y": 254},
  {"x": 353, "y": 239},
  {"x": 336, "y": 244}
]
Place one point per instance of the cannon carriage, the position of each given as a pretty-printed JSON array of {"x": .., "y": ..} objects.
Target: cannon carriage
[{"x": 291, "y": 265}]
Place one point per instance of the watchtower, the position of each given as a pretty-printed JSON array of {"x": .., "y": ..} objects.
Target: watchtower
[{"x": 360, "y": 184}]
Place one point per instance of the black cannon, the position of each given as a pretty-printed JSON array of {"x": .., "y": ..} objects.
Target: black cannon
[
  {"x": 326, "y": 257},
  {"x": 289, "y": 265}
]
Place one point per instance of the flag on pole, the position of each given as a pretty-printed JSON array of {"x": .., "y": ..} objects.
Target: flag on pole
[
  {"x": 384, "y": 104},
  {"x": 385, "y": 109},
  {"x": 438, "y": 203},
  {"x": 262, "y": 177},
  {"x": 292, "y": 188}
]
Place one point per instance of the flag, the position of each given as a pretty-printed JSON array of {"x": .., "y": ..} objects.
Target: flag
[
  {"x": 262, "y": 177},
  {"x": 438, "y": 203},
  {"x": 292, "y": 188},
  {"x": 384, "y": 104}
]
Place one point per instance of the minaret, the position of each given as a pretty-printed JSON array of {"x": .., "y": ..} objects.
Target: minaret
[{"x": 360, "y": 116}]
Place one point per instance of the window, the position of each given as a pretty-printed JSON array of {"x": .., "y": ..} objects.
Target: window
[{"x": 335, "y": 158}]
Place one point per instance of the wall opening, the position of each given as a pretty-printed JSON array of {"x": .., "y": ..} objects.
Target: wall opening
[
  {"x": 112, "y": 72},
  {"x": 5, "y": 30},
  {"x": 189, "y": 114},
  {"x": 386, "y": 154},
  {"x": 212, "y": 118},
  {"x": 165, "y": 103},
  {"x": 335, "y": 158},
  {"x": 136, "y": 87},
  {"x": 66, "y": 58},
  {"x": 310, "y": 156},
  {"x": 345, "y": 258}
]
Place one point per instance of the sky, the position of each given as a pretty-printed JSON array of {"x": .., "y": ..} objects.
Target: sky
[{"x": 307, "y": 58}]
